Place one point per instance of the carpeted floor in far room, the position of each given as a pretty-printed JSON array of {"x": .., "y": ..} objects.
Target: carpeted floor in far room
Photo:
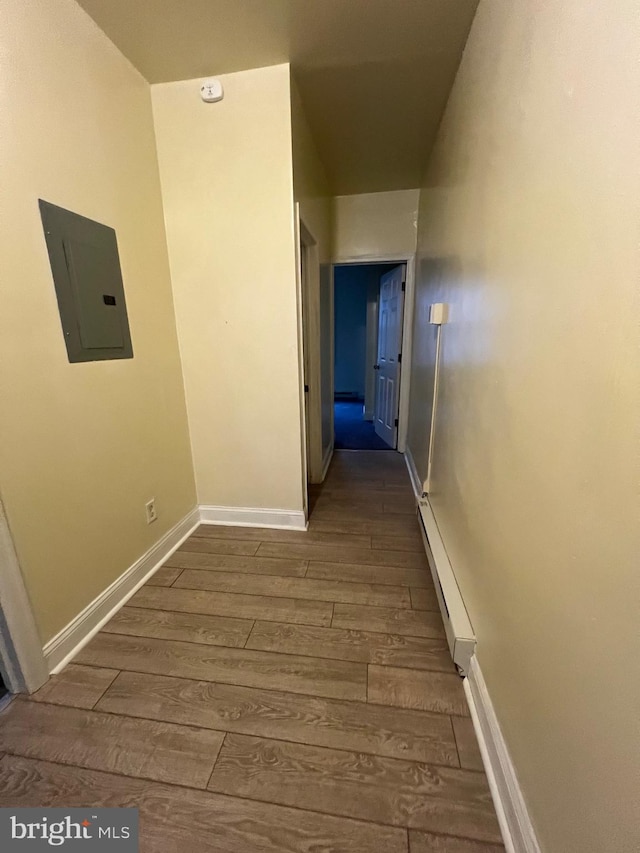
[{"x": 352, "y": 432}]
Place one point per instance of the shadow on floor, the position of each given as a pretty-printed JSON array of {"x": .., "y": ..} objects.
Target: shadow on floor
[{"x": 352, "y": 432}]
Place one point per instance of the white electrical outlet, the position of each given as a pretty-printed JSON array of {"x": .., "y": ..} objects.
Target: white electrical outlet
[
  {"x": 152, "y": 514},
  {"x": 438, "y": 313}
]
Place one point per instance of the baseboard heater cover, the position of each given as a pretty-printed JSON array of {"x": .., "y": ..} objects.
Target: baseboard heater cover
[{"x": 457, "y": 625}]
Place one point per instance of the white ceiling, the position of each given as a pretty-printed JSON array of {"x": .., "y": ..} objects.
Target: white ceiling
[{"x": 374, "y": 75}]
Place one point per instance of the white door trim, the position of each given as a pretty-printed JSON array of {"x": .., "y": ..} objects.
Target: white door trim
[
  {"x": 407, "y": 328},
  {"x": 23, "y": 662},
  {"x": 310, "y": 319},
  {"x": 300, "y": 341}
]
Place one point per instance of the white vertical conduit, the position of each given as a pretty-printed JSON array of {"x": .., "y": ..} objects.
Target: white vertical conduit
[
  {"x": 434, "y": 407},
  {"x": 437, "y": 317},
  {"x": 457, "y": 626}
]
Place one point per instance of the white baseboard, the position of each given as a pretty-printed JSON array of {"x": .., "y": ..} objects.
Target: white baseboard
[
  {"x": 413, "y": 473},
  {"x": 326, "y": 460},
  {"x": 68, "y": 642},
  {"x": 242, "y": 516},
  {"x": 515, "y": 823}
]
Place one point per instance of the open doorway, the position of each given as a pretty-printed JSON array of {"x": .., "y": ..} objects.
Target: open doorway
[{"x": 368, "y": 318}]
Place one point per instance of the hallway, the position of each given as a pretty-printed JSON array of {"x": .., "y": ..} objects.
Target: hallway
[{"x": 271, "y": 690}]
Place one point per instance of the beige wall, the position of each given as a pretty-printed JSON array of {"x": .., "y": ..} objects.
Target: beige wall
[
  {"x": 375, "y": 224},
  {"x": 529, "y": 224},
  {"x": 311, "y": 191},
  {"x": 310, "y": 184},
  {"x": 82, "y": 446},
  {"x": 226, "y": 171}
]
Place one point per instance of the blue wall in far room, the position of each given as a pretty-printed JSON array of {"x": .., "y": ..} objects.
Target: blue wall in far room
[{"x": 351, "y": 329}]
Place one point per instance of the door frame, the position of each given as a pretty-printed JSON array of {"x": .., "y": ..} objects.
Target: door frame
[
  {"x": 24, "y": 667},
  {"x": 407, "y": 328},
  {"x": 309, "y": 355}
]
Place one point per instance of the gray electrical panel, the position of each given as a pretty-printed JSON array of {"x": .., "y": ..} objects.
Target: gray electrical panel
[{"x": 86, "y": 273}]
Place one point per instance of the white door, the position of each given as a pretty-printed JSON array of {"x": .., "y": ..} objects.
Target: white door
[{"x": 389, "y": 355}]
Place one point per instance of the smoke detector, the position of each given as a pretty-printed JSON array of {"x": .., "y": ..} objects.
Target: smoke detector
[{"x": 211, "y": 90}]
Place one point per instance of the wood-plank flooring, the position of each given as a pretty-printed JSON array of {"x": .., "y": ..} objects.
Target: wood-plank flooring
[{"x": 271, "y": 691}]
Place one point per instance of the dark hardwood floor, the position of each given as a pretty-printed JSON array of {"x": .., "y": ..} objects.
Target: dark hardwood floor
[{"x": 271, "y": 691}]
